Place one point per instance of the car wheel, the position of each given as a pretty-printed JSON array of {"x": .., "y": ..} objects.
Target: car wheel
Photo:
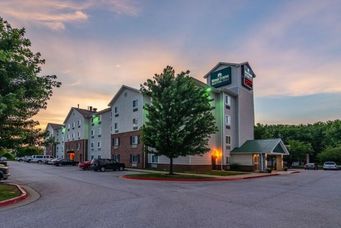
[
  {"x": 102, "y": 169},
  {"x": 39, "y": 162}
]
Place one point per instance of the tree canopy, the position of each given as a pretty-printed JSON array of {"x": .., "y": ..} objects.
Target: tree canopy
[
  {"x": 304, "y": 138},
  {"x": 23, "y": 91},
  {"x": 179, "y": 116}
]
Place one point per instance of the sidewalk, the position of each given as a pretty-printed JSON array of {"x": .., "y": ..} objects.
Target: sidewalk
[{"x": 232, "y": 177}]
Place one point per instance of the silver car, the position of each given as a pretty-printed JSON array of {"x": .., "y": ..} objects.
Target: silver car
[{"x": 330, "y": 165}]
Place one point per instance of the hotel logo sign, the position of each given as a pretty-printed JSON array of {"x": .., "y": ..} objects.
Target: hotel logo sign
[
  {"x": 221, "y": 77},
  {"x": 247, "y": 77}
]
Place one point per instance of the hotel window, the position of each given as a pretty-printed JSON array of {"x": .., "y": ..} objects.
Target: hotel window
[
  {"x": 155, "y": 158},
  {"x": 92, "y": 133},
  {"x": 228, "y": 120},
  {"x": 228, "y": 139},
  {"x": 99, "y": 132},
  {"x": 135, "y": 122},
  {"x": 116, "y": 142},
  {"x": 134, "y": 140},
  {"x": 73, "y": 125},
  {"x": 134, "y": 158},
  {"x": 227, "y": 101},
  {"x": 135, "y": 104},
  {"x": 68, "y": 126},
  {"x": 116, "y": 111},
  {"x": 92, "y": 144},
  {"x": 79, "y": 134},
  {"x": 99, "y": 144},
  {"x": 116, "y": 157},
  {"x": 116, "y": 127},
  {"x": 79, "y": 123}
]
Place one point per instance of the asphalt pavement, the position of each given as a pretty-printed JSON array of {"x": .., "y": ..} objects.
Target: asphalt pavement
[{"x": 70, "y": 197}]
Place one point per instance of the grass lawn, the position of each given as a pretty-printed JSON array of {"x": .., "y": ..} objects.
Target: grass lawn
[
  {"x": 218, "y": 172},
  {"x": 167, "y": 176},
  {"x": 8, "y": 192}
]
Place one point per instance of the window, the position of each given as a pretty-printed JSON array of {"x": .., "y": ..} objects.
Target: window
[
  {"x": 134, "y": 158},
  {"x": 116, "y": 141},
  {"x": 92, "y": 132},
  {"x": 99, "y": 131},
  {"x": 155, "y": 158},
  {"x": 116, "y": 127},
  {"x": 73, "y": 124},
  {"x": 227, "y": 101},
  {"x": 92, "y": 144},
  {"x": 79, "y": 134},
  {"x": 68, "y": 126},
  {"x": 228, "y": 139},
  {"x": 99, "y": 144},
  {"x": 73, "y": 135},
  {"x": 78, "y": 146},
  {"x": 79, "y": 123},
  {"x": 116, "y": 157},
  {"x": 134, "y": 140},
  {"x": 135, "y": 122},
  {"x": 135, "y": 104},
  {"x": 228, "y": 120},
  {"x": 115, "y": 110}
]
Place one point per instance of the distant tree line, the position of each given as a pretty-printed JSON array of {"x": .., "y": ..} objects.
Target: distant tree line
[{"x": 321, "y": 140}]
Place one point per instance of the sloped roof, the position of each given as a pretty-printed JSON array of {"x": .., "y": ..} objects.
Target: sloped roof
[
  {"x": 84, "y": 112},
  {"x": 104, "y": 111},
  {"x": 262, "y": 146},
  {"x": 54, "y": 126},
  {"x": 123, "y": 87},
  {"x": 228, "y": 64}
]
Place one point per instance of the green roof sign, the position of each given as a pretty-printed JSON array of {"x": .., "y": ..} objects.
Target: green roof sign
[{"x": 221, "y": 77}]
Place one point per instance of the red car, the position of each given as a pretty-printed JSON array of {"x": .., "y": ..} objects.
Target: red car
[{"x": 84, "y": 165}]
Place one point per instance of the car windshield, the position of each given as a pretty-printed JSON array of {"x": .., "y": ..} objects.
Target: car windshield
[{"x": 329, "y": 163}]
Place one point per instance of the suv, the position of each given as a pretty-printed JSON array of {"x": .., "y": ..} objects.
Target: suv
[
  {"x": 40, "y": 158},
  {"x": 103, "y": 164},
  {"x": 3, "y": 172},
  {"x": 311, "y": 166}
]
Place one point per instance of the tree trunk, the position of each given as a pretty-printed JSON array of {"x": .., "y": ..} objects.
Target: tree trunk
[{"x": 171, "y": 167}]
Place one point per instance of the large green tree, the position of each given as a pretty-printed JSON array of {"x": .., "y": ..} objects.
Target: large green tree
[
  {"x": 179, "y": 117},
  {"x": 23, "y": 91}
]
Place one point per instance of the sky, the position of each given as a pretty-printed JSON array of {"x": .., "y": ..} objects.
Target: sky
[{"x": 95, "y": 46}]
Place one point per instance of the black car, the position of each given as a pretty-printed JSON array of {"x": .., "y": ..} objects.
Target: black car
[
  {"x": 103, "y": 164},
  {"x": 3, "y": 172},
  {"x": 60, "y": 162}
]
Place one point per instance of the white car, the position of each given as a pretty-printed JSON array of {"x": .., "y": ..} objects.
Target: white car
[
  {"x": 330, "y": 165},
  {"x": 40, "y": 158}
]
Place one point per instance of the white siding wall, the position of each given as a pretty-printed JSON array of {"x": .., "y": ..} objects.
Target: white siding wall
[
  {"x": 242, "y": 159},
  {"x": 73, "y": 131},
  {"x": 125, "y": 117},
  {"x": 103, "y": 135}
]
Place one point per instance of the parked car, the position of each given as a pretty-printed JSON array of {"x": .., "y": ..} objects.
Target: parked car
[
  {"x": 61, "y": 162},
  {"x": 53, "y": 161},
  {"x": 311, "y": 166},
  {"x": 27, "y": 158},
  {"x": 85, "y": 165},
  {"x": 3, "y": 162},
  {"x": 40, "y": 158},
  {"x": 103, "y": 164},
  {"x": 4, "y": 173},
  {"x": 48, "y": 160},
  {"x": 330, "y": 165}
]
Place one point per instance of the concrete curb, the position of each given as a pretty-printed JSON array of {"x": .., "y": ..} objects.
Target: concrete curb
[
  {"x": 17, "y": 199},
  {"x": 213, "y": 179}
]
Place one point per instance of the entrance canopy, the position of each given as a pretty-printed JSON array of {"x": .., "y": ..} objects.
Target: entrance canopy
[{"x": 262, "y": 146}]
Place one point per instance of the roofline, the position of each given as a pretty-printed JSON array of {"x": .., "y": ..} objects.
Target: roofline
[
  {"x": 103, "y": 111},
  {"x": 119, "y": 92},
  {"x": 228, "y": 64},
  {"x": 74, "y": 108}
]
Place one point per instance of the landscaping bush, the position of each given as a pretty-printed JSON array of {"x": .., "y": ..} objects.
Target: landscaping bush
[
  {"x": 331, "y": 154},
  {"x": 235, "y": 166},
  {"x": 28, "y": 151}
]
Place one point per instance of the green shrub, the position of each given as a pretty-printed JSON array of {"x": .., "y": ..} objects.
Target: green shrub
[
  {"x": 235, "y": 166},
  {"x": 330, "y": 154},
  {"x": 28, "y": 151}
]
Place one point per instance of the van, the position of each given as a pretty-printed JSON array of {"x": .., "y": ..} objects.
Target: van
[{"x": 40, "y": 158}]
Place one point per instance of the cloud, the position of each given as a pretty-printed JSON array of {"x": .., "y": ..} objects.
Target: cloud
[
  {"x": 292, "y": 50},
  {"x": 54, "y": 14}
]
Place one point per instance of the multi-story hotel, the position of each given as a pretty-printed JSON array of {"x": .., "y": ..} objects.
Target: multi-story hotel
[{"x": 116, "y": 132}]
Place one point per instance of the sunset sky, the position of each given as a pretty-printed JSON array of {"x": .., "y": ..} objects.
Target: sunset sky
[{"x": 95, "y": 46}]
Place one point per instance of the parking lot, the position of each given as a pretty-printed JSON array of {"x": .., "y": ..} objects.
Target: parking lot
[{"x": 71, "y": 197}]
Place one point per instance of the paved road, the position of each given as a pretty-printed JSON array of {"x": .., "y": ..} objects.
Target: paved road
[{"x": 75, "y": 198}]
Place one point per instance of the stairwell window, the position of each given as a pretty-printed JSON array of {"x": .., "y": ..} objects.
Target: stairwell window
[
  {"x": 116, "y": 127},
  {"x": 227, "y": 102},
  {"x": 135, "y": 123},
  {"x": 228, "y": 140},
  {"x": 116, "y": 111},
  {"x": 228, "y": 121},
  {"x": 99, "y": 144},
  {"x": 135, "y": 104}
]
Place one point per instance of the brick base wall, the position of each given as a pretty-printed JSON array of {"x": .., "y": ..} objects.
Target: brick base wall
[
  {"x": 125, "y": 149},
  {"x": 80, "y": 152}
]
